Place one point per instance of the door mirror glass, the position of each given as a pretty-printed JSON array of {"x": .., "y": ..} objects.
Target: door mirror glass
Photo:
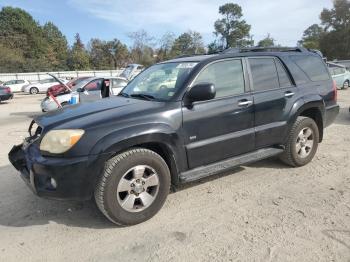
[
  {"x": 201, "y": 92},
  {"x": 80, "y": 90}
]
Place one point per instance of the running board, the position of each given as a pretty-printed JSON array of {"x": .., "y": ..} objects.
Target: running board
[{"x": 215, "y": 168}]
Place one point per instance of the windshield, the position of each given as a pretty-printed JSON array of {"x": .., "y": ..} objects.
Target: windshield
[{"x": 159, "y": 82}]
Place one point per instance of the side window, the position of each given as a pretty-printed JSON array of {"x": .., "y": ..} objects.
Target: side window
[
  {"x": 312, "y": 66},
  {"x": 20, "y": 82},
  {"x": 227, "y": 77},
  {"x": 94, "y": 85},
  {"x": 282, "y": 75},
  {"x": 264, "y": 73}
]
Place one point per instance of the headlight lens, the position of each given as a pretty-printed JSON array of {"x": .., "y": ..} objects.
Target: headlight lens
[{"x": 60, "y": 141}]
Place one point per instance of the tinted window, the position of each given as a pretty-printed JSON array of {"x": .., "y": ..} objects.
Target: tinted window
[
  {"x": 227, "y": 77},
  {"x": 312, "y": 66},
  {"x": 282, "y": 75},
  {"x": 264, "y": 73}
]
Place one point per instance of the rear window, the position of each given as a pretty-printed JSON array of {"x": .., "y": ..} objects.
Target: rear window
[
  {"x": 312, "y": 66},
  {"x": 264, "y": 73}
]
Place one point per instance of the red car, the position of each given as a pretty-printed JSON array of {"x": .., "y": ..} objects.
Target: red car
[{"x": 61, "y": 89}]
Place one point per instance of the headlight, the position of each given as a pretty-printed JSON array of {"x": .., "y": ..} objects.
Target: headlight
[{"x": 60, "y": 141}]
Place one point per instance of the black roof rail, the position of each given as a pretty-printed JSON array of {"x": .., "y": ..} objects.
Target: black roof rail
[{"x": 265, "y": 49}]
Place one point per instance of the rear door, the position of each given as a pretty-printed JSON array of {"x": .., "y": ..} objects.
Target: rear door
[
  {"x": 274, "y": 96},
  {"x": 220, "y": 128}
]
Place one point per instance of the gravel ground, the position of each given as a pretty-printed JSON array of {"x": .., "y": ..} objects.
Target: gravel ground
[{"x": 260, "y": 212}]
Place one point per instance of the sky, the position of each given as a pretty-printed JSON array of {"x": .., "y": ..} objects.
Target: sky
[{"x": 285, "y": 20}]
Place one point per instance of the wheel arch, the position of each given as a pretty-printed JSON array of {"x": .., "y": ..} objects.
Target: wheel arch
[{"x": 314, "y": 110}]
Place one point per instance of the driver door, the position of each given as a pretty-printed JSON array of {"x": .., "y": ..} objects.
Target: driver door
[
  {"x": 92, "y": 91},
  {"x": 223, "y": 127}
]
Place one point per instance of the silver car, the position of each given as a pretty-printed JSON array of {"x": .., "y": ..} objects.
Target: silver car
[{"x": 89, "y": 89}]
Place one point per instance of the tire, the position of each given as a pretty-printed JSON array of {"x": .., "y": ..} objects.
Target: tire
[
  {"x": 346, "y": 85},
  {"x": 119, "y": 183},
  {"x": 301, "y": 146},
  {"x": 33, "y": 90}
]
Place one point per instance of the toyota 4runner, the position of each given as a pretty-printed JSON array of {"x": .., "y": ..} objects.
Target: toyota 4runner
[{"x": 180, "y": 121}]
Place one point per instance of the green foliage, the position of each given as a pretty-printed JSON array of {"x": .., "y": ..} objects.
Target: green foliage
[
  {"x": 268, "y": 41},
  {"x": 189, "y": 43},
  {"x": 311, "y": 37},
  {"x": 79, "y": 57},
  {"x": 57, "y": 47},
  {"x": 333, "y": 36},
  {"x": 232, "y": 30}
]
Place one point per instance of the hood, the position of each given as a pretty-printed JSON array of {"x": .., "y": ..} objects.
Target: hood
[{"x": 110, "y": 106}]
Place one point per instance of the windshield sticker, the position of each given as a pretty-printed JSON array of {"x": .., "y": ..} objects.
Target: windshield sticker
[{"x": 186, "y": 65}]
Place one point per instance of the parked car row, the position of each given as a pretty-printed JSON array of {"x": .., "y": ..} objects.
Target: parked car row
[{"x": 340, "y": 75}]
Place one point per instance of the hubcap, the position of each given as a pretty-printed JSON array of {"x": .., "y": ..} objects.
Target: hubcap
[
  {"x": 305, "y": 142},
  {"x": 138, "y": 188}
]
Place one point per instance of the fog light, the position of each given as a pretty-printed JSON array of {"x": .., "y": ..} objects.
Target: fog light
[{"x": 53, "y": 183}]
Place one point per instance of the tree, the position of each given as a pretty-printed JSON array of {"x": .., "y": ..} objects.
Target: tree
[
  {"x": 232, "y": 30},
  {"x": 189, "y": 43},
  {"x": 311, "y": 37},
  {"x": 335, "y": 43},
  {"x": 100, "y": 55},
  {"x": 165, "y": 45},
  {"x": 268, "y": 41},
  {"x": 142, "y": 51},
  {"x": 57, "y": 47},
  {"x": 21, "y": 34},
  {"x": 79, "y": 58}
]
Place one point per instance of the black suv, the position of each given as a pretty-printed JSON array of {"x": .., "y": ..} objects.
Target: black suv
[{"x": 179, "y": 121}]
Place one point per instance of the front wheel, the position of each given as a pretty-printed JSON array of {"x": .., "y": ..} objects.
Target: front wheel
[
  {"x": 346, "y": 85},
  {"x": 302, "y": 142},
  {"x": 34, "y": 91},
  {"x": 133, "y": 187}
]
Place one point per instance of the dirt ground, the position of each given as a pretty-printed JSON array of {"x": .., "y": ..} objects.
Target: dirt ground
[{"x": 261, "y": 212}]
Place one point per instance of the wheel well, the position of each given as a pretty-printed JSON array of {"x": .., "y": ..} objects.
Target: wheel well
[
  {"x": 167, "y": 155},
  {"x": 315, "y": 114}
]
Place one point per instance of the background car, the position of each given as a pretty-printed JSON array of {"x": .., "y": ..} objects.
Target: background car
[
  {"x": 60, "y": 89},
  {"x": 90, "y": 89},
  {"x": 41, "y": 86},
  {"x": 340, "y": 75},
  {"x": 131, "y": 71},
  {"x": 5, "y": 93},
  {"x": 16, "y": 85}
]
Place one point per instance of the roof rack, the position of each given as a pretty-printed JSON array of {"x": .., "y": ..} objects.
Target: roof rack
[{"x": 265, "y": 49}]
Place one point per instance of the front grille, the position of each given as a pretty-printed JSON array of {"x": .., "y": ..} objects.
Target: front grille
[{"x": 34, "y": 130}]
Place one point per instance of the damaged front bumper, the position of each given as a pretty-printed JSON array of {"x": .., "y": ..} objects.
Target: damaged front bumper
[{"x": 70, "y": 178}]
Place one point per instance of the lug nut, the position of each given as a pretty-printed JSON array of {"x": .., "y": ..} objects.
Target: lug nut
[
  {"x": 143, "y": 182},
  {"x": 132, "y": 192},
  {"x": 132, "y": 185},
  {"x": 138, "y": 180}
]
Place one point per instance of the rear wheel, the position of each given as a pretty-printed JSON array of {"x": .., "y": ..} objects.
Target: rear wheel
[
  {"x": 346, "y": 85},
  {"x": 34, "y": 91},
  {"x": 133, "y": 187},
  {"x": 302, "y": 142}
]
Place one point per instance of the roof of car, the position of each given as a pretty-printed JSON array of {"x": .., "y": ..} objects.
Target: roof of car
[{"x": 233, "y": 52}]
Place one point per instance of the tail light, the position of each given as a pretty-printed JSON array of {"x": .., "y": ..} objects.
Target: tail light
[
  {"x": 335, "y": 91},
  {"x": 8, "y": 90}
]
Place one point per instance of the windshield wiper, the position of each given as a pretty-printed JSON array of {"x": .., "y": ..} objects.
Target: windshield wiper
[
  {"x": 123, "y": 94},
  {"x": 144, "y": 96}
]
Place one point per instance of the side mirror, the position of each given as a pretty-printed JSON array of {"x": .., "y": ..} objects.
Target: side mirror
[
  {"x": 201, "y": 92},
  {"x": 80, "y": 90}
]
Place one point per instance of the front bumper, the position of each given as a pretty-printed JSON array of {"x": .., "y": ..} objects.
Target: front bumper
[{"x": 75, "y": 177}]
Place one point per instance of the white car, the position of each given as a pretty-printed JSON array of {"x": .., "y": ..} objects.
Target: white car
[
  {"x": 41, "y": 86},
  {"x": 89, "y": 89},
  {"x": 16, "y": 85}
]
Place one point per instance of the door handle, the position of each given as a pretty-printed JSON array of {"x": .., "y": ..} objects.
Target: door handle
[
  {"x": 289, "y": 94},
  {"x": 245, "y": 103}
]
